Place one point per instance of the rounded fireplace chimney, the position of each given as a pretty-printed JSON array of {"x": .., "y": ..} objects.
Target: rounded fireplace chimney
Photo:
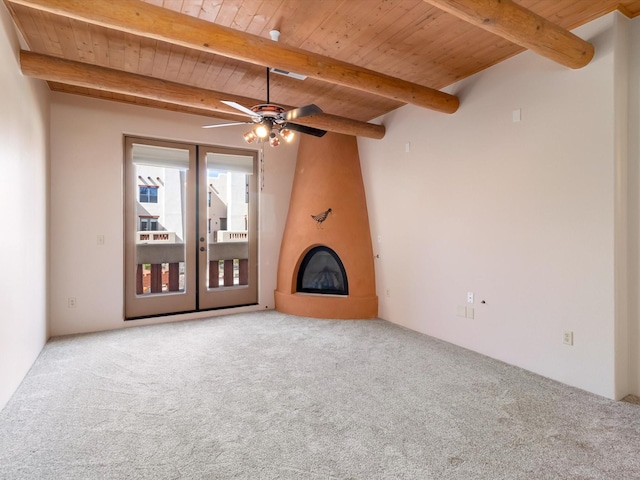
[{"x": 327, "y": 215}]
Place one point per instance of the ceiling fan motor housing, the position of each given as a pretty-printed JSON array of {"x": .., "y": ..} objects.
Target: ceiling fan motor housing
[{"x": 269, "y": 110}]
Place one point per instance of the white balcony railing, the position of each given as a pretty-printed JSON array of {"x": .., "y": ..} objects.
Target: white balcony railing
[
  {"x": 155, "y": 236},
  {"x": 230, "y": 236}
]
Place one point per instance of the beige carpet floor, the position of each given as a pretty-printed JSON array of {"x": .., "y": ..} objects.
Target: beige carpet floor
[{"x": 272, "y": 396}]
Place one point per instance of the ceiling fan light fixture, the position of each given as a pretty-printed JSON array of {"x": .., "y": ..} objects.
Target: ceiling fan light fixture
[
  {"x": 262, "y": 131},
  {"x": 274, "y": 141},
  {"x": 287, "y": 135},
  {"x": 250, "y": 136}
]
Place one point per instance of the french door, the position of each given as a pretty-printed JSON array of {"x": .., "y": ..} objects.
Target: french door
[{"x": 190, "y": 227}]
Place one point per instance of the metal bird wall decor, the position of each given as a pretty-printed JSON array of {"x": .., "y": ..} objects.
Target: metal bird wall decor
[{"x": 321, "y": 217}]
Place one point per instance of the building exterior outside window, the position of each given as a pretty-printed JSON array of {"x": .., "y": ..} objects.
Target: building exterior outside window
[
  {"x": 148, "y": 224},
  {"x": 148, "y": 194}
]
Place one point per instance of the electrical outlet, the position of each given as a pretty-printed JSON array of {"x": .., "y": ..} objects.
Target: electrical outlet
[
  {"x": 388, "y": 292},
  {"x": 469, "y": 297},
  {"x": 71, "y": 302},
  {"x": 567, "y": 338},
  {"x": 100, "y": 239}
]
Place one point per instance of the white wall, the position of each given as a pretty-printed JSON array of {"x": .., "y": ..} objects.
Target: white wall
[
  {"x": 634, "y": 206},
  {"x": 520, "y": 213},
  {"x": 86, "y": 201},
  {"x": 24, "y": 136},
  {"x": 621, "y": 201}
]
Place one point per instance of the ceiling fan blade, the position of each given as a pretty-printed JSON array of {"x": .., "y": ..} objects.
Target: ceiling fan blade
[
  {"x": 237, "y": 106},
  {"x": 302, "y": 112},
  {"x": 216, "y": 125},
  {"x": 316, "y": 132}
]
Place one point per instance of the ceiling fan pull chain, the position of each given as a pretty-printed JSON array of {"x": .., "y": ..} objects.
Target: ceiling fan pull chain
[{"x": 261, "y": 159}]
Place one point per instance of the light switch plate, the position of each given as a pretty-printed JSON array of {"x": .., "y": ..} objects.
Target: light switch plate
[{"x": 516, "y": 115}]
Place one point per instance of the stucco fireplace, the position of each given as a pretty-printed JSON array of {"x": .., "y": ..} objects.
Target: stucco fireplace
[{"x": 325, "y": 269}]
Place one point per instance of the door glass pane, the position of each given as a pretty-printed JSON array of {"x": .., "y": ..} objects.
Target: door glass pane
[
  {"x": 160, "y": 236},
  {"x": 228, "y": 220}
]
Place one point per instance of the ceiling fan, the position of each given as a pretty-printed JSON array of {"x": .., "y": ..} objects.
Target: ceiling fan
[{"x": 272, "y": 122}]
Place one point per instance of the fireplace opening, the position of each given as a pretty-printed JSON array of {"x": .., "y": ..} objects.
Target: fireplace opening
[{"x": 321, "y": 271}]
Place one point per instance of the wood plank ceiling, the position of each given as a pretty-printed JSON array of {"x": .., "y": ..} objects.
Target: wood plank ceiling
[{"x": 411, "y": 40}]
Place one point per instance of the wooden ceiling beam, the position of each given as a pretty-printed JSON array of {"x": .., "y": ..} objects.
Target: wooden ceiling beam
[
  {"x": 522, "y": 27},
  {"x": 147, "y": 20},
  {"x": 85, "y": 75}
]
